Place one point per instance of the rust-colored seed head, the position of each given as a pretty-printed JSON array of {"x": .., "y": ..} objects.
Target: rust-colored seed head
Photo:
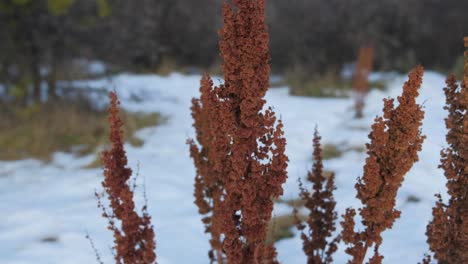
[
  {"x": 361, "y": 76},
  {"x": 208, "y": 187},
  {"x": 395, "y": 141},
  {"x": 240, "y": 163},
  {"x": 465, "y": 75},
  {"x": 134, "y": 238},
  {"x": 322, "y": 215},
  {"x": 447, "y": 233}
]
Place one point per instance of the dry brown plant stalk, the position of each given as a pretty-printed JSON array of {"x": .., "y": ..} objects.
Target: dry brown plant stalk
[
  {"x": 361, "y": 77},
  {"x": 133, "y": 234},
  {"x": 241, "y": 163},
  {"x": 447, "y": 233},
  {"x": 208, "y": 179},
  {"x": 395, "y": 141},
  {"x": 322, "y": 214}
]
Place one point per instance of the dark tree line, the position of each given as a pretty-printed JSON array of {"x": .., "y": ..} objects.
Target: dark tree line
[
  {"x": 323, "y": 35},
  {"x": 39, "y": 38}
]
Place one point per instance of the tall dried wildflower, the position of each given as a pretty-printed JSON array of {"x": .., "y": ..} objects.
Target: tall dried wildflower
[
  {"x": 361, "y": 77},
  {"x": 242, "y": 144},
  {"x": 133, "y": 234},
  {"x": 448, "y": 231},
  {"x": 395, "y": 141},
  {"x": 322, "y": 214},
  {"x": 208, "y": 179}
]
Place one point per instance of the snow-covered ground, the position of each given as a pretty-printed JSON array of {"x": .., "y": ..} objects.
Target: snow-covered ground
[{"x": 47, "y": 209}]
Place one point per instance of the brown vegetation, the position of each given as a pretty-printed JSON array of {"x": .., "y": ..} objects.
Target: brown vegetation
[
  {"x": 40, "y": 130},
  {"x": 447, "y": 233},
  {"x": 395, "y": 141},
  {"x": 322, "y": 214},
  {"x": 243, "y": 145},
  {"x": 239, "y": 154},
  {"x": 133, "y": 234},
  {"x": 208, "y": 179},
  {"x": 361, "y": 76}
]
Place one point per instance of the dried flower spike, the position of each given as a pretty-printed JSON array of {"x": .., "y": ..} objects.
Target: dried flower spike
[
  {"x": 447, "y": 233},
  {"x": 208, "y": 187},
  {"x": 134, "y": 237},
  {"x": 395, "y": 141},
  {"x": 361, "y": 76},
  {"x": 241, "y": 163},
  {"x": 322, "y": 214}
]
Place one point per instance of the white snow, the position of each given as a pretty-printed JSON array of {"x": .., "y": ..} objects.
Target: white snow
[{"x": 56, "y": 200}]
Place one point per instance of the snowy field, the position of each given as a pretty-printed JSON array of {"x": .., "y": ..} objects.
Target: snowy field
[{"x": 46, "y": 210}]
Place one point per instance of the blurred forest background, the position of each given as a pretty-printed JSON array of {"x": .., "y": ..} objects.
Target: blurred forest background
[{"x": 46, "y": 42}]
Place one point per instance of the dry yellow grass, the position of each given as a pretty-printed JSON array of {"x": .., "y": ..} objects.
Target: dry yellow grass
[{"x": 38, "y": 131}]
